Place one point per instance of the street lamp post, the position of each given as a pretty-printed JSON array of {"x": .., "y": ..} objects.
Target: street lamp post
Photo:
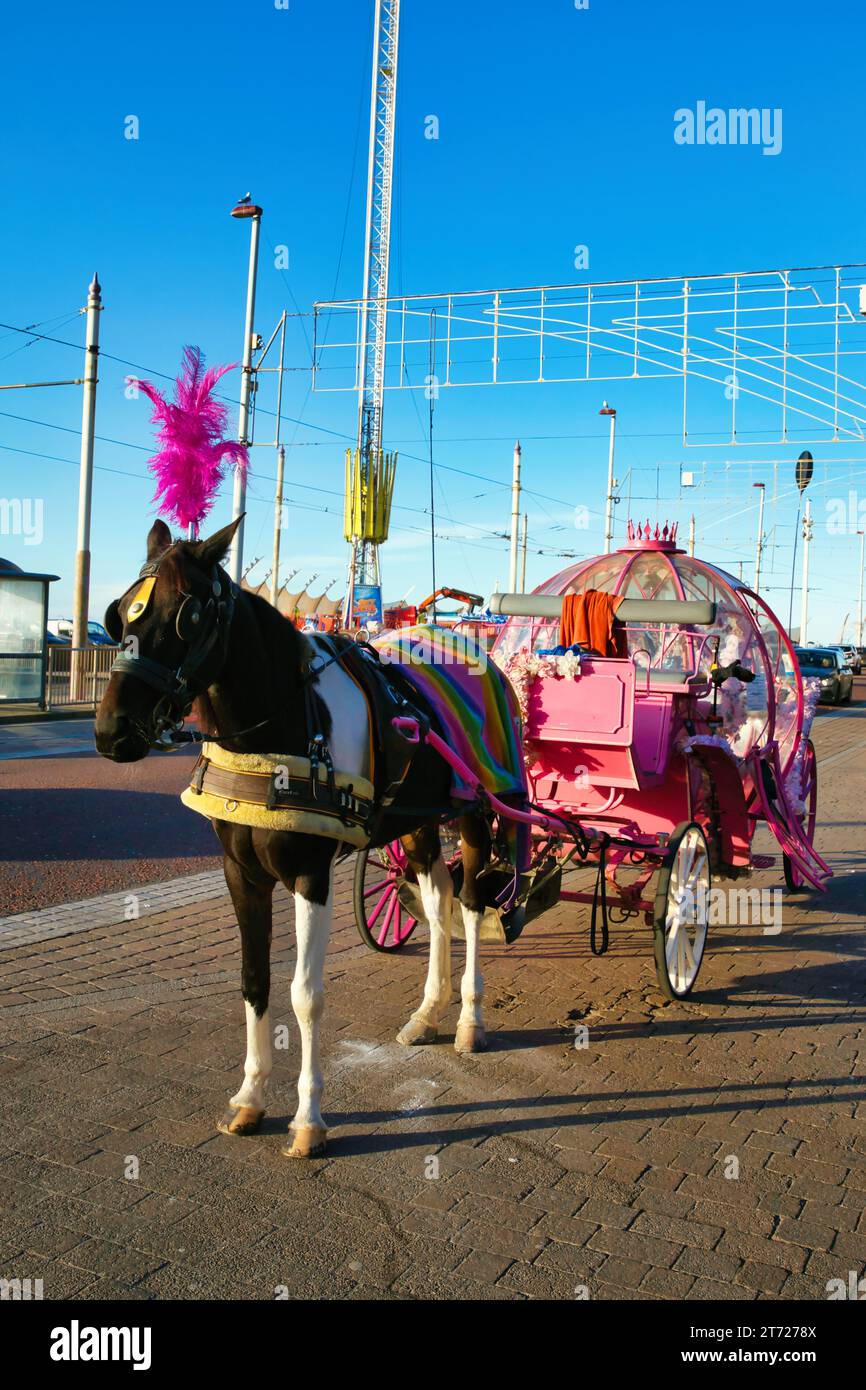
[
  {"x": 515, "y": 518},
  {"x": 608, "y": 508},
  {"x": 807, "y": 540},
  {"x": 803, "y": 476},
  {"x": 249, "y": 210},
  {"x": 759, "y": 548}
]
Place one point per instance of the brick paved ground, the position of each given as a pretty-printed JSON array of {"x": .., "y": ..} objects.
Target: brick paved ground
[{"x": 557, "y": 1168}]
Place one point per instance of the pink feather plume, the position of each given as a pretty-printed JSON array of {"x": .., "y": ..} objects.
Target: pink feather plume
[{"x": 190, "y": 462}]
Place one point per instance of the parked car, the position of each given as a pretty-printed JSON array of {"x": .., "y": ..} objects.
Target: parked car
[
  {"x": 96, "y": 634},
  {"x": 853, "y": 659},
  {"x": 828, "y": 665}
]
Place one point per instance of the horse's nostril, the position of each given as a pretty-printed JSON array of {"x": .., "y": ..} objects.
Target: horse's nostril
[
  {"x": 115, "y": 738},
  {"x": 111, "y": 728}
]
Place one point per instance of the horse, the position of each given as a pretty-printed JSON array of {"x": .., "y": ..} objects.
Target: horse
[{"x": 194, "y": 642}]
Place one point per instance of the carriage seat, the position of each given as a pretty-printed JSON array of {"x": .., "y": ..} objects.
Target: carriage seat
[{"x": 670, "y": 680}]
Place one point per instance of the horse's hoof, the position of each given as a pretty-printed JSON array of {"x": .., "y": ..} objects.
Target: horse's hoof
[
  {"x": 308, "y": 1141},
  {"x": 470, "y": 1037},
  {"x": 416, "y": 1033},
  {"x": 242, "y": 1119}
]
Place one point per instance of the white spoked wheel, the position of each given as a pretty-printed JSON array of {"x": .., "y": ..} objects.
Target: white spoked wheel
[{"x": 681, "y": 910}]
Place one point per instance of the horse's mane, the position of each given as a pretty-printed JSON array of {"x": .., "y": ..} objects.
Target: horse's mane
[{"x": 271, "y": 641}]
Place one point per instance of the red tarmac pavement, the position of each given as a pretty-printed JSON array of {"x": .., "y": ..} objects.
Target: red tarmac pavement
[{"x": 76, "y": 826}]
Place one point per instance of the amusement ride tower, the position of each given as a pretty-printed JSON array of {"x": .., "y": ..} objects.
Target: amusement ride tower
[{"x": 369, "y": 471}]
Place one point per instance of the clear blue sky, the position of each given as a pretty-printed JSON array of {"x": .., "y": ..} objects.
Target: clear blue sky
[{"x": 556, "y": 129}]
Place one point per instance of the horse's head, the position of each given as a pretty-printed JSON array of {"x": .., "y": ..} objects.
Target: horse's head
[{"x": 172, "y": 624}]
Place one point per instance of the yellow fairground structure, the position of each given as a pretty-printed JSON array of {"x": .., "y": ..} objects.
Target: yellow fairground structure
[{"x": 367, "y": 513}]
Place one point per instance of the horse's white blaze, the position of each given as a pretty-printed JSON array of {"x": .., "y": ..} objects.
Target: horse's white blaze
[
  {"x": 349, "y": 742},
  {"x": 472, "y": 983},
  {"x": 312, "y": 928},
  {"x": 259, "y": 1061},
  {"x": 437, "y": 895}
]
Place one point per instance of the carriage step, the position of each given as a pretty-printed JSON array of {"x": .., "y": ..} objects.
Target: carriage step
[{"x": 491, "y": 925}]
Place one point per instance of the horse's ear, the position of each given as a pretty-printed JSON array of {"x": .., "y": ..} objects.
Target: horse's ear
[
  {"x": 112, "y": 622},
  {"x": 213, "y": 551},
  {"x": 158, "y": 540}
]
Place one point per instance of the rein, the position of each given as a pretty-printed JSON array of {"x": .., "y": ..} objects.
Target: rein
[{"x": 204, "y": 625}]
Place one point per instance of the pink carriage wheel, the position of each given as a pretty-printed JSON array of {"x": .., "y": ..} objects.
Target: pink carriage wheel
[
  {"x": 680, "y": 912},
  {"x": 383, "y": 922},
  {"x": 809, "y": 795}
]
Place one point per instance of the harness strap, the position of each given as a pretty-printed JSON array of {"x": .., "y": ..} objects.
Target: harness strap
[{"x": 599, "y": 903}]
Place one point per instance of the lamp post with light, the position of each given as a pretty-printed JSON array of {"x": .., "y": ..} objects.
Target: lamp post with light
[{"x": 245, "y": 209}]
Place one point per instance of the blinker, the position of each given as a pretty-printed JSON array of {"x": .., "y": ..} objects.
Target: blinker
[{"x": 141, "y": 600}]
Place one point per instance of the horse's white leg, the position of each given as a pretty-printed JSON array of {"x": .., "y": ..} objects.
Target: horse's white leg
[
  {"x": 437, "y": 895},
  {"x": 258, "y": 1064},
  {"x": 312, "y": 928},
  {"x": 470, "y": 1035}
]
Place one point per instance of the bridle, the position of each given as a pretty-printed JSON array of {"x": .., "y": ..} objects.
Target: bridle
[{"x": 203, "y": 624}]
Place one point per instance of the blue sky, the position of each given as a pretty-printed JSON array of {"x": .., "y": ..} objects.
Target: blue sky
[{"x": 555, "y": 130}]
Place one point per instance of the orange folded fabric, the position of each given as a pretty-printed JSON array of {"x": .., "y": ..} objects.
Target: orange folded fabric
[{"x": 590, "y": 620}]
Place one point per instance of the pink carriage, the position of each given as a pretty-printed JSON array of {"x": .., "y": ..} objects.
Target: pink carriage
[{"x": 664, "y": 760}]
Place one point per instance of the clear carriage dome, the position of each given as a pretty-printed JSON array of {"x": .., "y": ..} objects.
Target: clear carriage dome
[{"x": 651, "y": 565}]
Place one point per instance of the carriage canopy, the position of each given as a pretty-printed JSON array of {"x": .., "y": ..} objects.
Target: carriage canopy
[{"x": 651, "y": 566}]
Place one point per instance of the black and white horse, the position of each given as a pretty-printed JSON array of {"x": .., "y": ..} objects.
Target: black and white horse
[{"x": 200, "y": 642}]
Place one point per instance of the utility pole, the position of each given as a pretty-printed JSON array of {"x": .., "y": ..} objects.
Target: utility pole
[
  {"x": 759, "y": 549},
  {"x": 278, "y": 523},
  {"x": 859, "y": 643},
  {"x": 611, "y": 483},
  {"x": 249, "y": 210},
  {"x": 515, "y": 518},
  {"x": 85, "y": 480},
  {"x": 807, "y": 541},
  {"x": 523, "y": 554},
  {"x": 692, "y": 535}
]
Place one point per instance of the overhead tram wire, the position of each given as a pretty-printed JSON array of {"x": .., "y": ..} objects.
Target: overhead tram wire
[
  {"x": 341, "y": 434},
  {"x": 322, "y": 429},
  {"x": 494, "y": 482},
  {"x": 307, "y": 487}
]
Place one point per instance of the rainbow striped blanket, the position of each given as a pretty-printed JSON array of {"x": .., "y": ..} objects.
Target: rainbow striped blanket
[{"x": 472, "y": 700}]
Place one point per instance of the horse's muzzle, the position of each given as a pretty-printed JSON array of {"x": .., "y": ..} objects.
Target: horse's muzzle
[{"x": 118, "y": 739}]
